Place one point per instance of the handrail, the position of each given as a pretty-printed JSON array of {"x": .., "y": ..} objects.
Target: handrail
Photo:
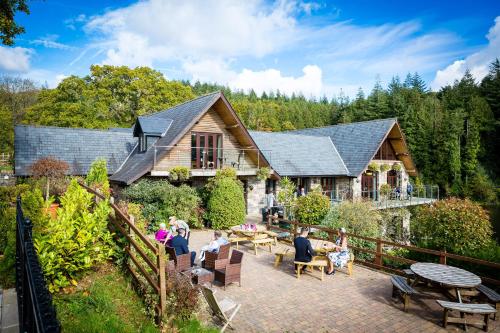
[{"x": 379, "y": 253}]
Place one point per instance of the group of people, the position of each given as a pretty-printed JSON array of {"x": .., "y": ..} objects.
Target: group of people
[
  {"x": 337, "y": 258},
  {"x": 180, "y": 242}
]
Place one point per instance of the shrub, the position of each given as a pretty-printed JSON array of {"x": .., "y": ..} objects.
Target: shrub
[
  {"x": 97, "y": 178},
  {"x": 76, "y": 240},
  {"x": 182, "y": 298},
  {"x": 459, "y": 226},
  {"x": 179, "y": 174},
  {"x": 480, "y": 187},
  {"x": 160, "y": 199},
  {"x": 49, "y": 168},
  {"x": 385, "y": 189},
  {"x": 373, "y": 167},
  {"x": 312, "y": 208},
  {"x": 286, "y": 195},
  {"x": 358, "y": 218},
  {"x": 226, "y": 203}
]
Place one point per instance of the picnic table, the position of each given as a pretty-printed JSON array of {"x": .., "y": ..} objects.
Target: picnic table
[
  {"x": 260, "y": 236},
  {"x": 447, "y": 276}
]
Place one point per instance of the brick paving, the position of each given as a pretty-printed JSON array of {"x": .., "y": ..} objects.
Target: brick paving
[{"x": 274, "y": 300}]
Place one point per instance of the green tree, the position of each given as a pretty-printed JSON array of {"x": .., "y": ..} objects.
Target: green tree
[
  {"x": 312, "y": 208},
  {"x": 226, "y": 204},
  {"x": 9, "y": 29}
]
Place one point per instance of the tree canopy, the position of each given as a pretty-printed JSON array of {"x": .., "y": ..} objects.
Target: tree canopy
[{"x": 9, "y": 29}]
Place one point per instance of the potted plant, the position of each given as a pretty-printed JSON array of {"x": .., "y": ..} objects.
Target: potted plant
[
  {"x": 396, "y": 166},
  {"x": 385, "y": 190},
  {"x": 385, "y": 167},
  {"x": 373, "y": 167},
  {"x": 263, "y": 173}
]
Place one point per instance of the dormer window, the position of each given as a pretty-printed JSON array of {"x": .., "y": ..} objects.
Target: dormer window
[
  {"x": 149, "y": 130},
  {"x": 142, "y": 143}
]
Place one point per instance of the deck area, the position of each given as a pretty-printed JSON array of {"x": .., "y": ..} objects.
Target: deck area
[
  {"x": 385, "y": 204},
  {"x": 273, "y": 300}
]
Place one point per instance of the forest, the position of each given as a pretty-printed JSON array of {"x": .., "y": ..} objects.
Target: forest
[{"x": 453, "y": 134}]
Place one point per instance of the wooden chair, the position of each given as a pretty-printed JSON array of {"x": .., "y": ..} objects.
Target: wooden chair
[
  {"x": 181, "y": 262},
  {"x": 231, "y": 271},
  {"x": 220, "y": 308},
  {"x": 320, "y": 262},
  {"x": 217, "y": 260}
]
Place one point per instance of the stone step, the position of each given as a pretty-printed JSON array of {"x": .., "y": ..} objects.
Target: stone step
[{"x": 9, "y": 320}]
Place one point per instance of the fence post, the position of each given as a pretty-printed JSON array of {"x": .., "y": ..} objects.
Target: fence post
[
  {"x": 378, "y": 256},
  {"x": 161, "y": 277},
  {"x": 442, "y": 257},
  {"x": 269, "y": 221}
]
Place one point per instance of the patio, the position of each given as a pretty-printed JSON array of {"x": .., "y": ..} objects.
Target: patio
[{"x": 273, "y": 300}]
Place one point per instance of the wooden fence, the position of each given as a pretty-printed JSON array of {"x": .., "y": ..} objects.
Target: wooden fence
[
  {"x": 381, "y": 246},
  {"x": 140, "y": 263}
]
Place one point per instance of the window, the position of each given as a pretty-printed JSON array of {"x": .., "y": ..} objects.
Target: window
[
  {"x": 328, "y": 185},
  {"x": 385, "y": 152},
  {"x": 142, "y": 143},
  {"x": 206, "y": 150}
]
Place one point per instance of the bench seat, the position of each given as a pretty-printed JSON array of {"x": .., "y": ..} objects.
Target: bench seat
[
  {"x": 469, "y": 308},
  {"x": 264, "y": 242},
  {"x": 237, "y": 240},
  {"x": 280, "y": 255},
  {"x": 491, "y": 295},
  {"x": 319, "y": 263},
  {"x": 400, "y": 285}
]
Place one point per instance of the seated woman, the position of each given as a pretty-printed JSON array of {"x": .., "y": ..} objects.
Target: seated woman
[
  {"x": 341, "y": 256},
  {"x": 163, "y": 235},
  {"x": 214, "y": 244}
]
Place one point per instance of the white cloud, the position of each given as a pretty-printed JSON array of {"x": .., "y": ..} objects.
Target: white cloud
[
  {"x": 50, "y": 41},
  {"x": 15, "y": 59},
  {"x": 195, "y": 29},
  {"x": 477, "y": 62},
  {"x": 44, "y": 77}
]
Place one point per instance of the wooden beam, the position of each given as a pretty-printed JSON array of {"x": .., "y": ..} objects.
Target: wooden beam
[
  {"x": 402, "y": 154},
  {"x": 232, "y": 126}
]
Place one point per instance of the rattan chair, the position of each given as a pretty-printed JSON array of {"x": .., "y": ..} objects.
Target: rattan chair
[
  {"x": 181, "y": 262},
  {"x": 217, "y": 260},
  {"x": 232, "y": 271}
]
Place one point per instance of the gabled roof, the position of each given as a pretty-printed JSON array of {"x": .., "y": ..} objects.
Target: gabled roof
[
  {"x": 300, "y": 155},
  {"x": 356, "y": 143},
  {"x": 157, "y": 126},
  {"x": 77, "y": 146}
]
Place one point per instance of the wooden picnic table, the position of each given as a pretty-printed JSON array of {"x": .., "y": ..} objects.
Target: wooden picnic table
[
  {"x": 448, "y": 276},
  {"x": 259, "y": 237}
]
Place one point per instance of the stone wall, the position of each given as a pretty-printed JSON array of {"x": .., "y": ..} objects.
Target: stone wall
[{"x": 256, "y": 196}]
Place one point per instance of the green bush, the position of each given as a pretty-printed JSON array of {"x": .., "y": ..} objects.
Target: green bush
[
  {"x": 459, "y": 226},
  {"x": 97, "y": 178},
  {"x": 179, "y": 174},
  {"x": 286, "y": 196},
  {"x": 312, "y": 208},
  {"x": 357, "y": 218},
  {"x": 160, "y": 199},
  {"x": 263, "y": 173},
  {"x": 76, "y": 240},
  {"x": 385, "y": 189},
  {"x": 226, "y": 203}
]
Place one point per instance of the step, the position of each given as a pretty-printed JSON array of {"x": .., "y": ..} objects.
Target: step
[{"x": 9, "y": 320}]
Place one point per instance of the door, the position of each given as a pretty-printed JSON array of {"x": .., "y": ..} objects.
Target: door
[
  {"x": 206, "y": 150},
  {"x": 392, "y": 178},
  {"x": 368, "y": 185},
  {"x": 327, "y": 186}
]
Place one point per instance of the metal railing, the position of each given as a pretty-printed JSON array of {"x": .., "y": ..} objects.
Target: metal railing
[
  {"x": 202, "y": 158},
  {"x": 36, "y": 311}
]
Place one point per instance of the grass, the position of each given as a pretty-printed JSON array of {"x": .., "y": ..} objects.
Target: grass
[{"x": 105, "y": 302}]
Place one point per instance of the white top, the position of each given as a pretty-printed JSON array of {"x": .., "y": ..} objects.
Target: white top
[{"x": 447, "y": 275}]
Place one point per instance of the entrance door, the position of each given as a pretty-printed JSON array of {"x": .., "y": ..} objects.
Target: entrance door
[
  {"x": 206, "y": 150},
  {"x": 392, "y": 178},
  {"x": 368, "y": 185},
  {"x": 327, "y": 185}
]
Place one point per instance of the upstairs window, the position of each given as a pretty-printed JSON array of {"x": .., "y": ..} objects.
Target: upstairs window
[{"x": 386, "y": 152}]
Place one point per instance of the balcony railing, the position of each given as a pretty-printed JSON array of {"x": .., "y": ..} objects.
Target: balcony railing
[
  {"x": 420, "y": 195},
  {"x": 206, "y": 160}
]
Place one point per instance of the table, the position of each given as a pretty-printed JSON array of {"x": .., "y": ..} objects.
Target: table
[
  {"x": 201, "y": 276},
  {"x": 448, "y": 276},
  {"x": 259, "y": 236}
]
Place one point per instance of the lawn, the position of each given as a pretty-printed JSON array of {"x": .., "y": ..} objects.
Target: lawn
[{"x": 104, "y": 301}]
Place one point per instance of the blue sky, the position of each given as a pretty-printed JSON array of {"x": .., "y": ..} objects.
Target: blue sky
[{"x": 315, "y": 48}]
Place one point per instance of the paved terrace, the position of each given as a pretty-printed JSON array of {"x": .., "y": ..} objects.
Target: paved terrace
[{"x": 273, "y": 300}]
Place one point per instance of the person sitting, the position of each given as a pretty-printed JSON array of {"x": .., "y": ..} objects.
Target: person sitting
[
  {"x": 214, "y": 244},
  {"x": 163, "y": 235},
  {"x": 179, "y": 243},
  {"x": 303, "y": 249},
  {"x": 341, "y": 255},
  {"x": 176, "y": 224}
]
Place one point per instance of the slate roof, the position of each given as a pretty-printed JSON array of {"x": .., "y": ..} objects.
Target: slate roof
[
  {"x": 356, "y": 143},
  {"x": 78, "y": 147},
  {"x": 153, "y": 125},
  {"x": 292, "y": 154},
  {"x": 182, "y": 116}
]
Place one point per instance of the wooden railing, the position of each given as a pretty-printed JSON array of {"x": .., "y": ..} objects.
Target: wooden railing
[
  {"x": 140, "y": 264},
  {"x": 381, "y": 246}
]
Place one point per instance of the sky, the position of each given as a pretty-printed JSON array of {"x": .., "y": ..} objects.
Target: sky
[{"x": 316, "y": 48}]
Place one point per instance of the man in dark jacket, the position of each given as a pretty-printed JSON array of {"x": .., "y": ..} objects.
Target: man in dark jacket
[
  {"x": 180, "y": 244},
  {"x": 303, "y": 249}
]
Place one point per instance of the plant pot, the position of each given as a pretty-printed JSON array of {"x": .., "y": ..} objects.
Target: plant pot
[{"x": 52, "y": 210}]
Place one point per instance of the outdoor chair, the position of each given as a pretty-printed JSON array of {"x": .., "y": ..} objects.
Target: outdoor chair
[
  {"x": 179, "y": 263},
  {"x": 232, "y": 271},
  {"x": 217, "y": 260},
  {"x": 221, "y": 308}
]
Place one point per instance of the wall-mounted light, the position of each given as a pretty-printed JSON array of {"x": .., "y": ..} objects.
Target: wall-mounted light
[{"x": 357, "y": 180}]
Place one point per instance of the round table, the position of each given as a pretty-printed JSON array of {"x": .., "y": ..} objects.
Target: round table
[{"x": 448, "y": 276}]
